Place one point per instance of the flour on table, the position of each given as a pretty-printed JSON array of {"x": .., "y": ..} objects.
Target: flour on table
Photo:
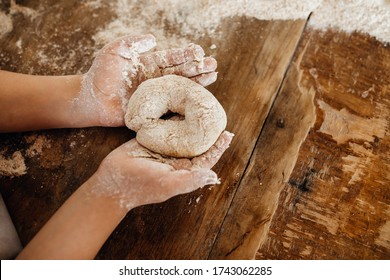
[
  {"x": 37, "y": 145},
  {"x": 369, "y": 16},
  {"x": 192, "y": 18},
  {"x": 197, "y": 19},
  {"x": 6, "y": 25},
  {"x": 12, "y": 166},
  {"x": 175, "y": 23}
]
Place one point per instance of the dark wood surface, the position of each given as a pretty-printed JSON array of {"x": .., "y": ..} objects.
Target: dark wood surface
[
  {"x": 336, "y": 202},
  {"x": 317, "y": 185},
  {"x": 306, "y": 176}
]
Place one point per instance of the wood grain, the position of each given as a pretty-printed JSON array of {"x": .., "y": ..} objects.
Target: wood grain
[
  {"x": 317, "y": 184},
  {"x": 275, "y": 154},
  {"x": 336, "y": 203}
]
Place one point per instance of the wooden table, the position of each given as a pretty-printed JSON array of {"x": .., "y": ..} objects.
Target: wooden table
[{"x": 307, "y": 175}]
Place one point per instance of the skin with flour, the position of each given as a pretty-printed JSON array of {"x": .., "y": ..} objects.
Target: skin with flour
[{"x": 123, "y": 181}]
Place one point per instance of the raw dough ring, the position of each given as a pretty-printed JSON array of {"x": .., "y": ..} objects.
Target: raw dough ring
[{"x": 204, "y": 118}]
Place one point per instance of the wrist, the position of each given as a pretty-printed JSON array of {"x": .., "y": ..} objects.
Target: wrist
[
  {"x": 82, "y": 110},
  {"x": 106, "y": 192},
  {"x": 94, "y": 107},
  {"x": 97, "y": 191}
]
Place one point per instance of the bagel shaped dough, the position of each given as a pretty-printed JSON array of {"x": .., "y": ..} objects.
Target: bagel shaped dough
[{"x": 204, "y": 118}]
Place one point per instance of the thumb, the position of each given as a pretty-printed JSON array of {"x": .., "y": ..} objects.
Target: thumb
[
  {"x": 185, "y": 181},
  {"x": 211, "y": 157}
]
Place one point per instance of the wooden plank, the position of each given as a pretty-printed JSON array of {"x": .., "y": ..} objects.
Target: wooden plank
[
  {"x": 317, "y": 186},
  {"x": 253, "y": 56}
]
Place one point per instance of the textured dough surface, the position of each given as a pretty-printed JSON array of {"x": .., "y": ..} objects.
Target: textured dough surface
[{"x": 204, "y": 118}]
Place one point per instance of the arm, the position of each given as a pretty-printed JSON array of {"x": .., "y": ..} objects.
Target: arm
[
  {"x": 122, "y": 182},
  {"x": 33, "y": 102},
  {"x": 78, "y": 229}
]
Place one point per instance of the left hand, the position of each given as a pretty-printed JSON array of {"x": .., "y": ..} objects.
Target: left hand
[{"x": 122, "y": 65}]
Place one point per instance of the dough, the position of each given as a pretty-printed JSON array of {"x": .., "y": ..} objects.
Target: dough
[{"x": 204, "y": 118}]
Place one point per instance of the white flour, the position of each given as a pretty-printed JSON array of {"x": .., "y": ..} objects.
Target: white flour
[
  {"x": 12, "y": 166},
  {"x": 369, "y": 16},
  {"x": 193, "y": 19},
  {"x": 196, "y": 19},
  {"x": 6, "y": 25}
]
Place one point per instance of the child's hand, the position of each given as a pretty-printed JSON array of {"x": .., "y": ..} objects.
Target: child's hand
[
  {"x": 122, "y": 65},
  {"x": 137, "y": 176}
]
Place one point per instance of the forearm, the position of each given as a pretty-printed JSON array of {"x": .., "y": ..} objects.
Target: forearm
[
  {"x": 79, "y": 228},
  {"x": 30, "y": 102}
]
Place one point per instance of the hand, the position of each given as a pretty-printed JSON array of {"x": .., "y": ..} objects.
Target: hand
[
  {"x": 122, "y": 65},
  {"x": 137, "y": 176}
]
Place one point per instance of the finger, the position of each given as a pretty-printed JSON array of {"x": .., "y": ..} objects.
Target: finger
[
  {"x": 184, "y": 181},
  {"x": 211, "y": 157},
  {"x": 171, "y": 57},
  {"x": 128, "y": 45},
  {"x": 205, "y": 79},
  {"x": 192, "y": 68}
]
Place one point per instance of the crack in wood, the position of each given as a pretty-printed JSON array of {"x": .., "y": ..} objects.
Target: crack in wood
[{"x": 246, "y": 234}]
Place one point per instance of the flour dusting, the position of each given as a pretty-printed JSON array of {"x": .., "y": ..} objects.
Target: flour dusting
[
  {"x": 196, "y": 19},
  {"x": 369, "y": 16},
  {"x": 67, "y": 47},
  {"x": 12, "y": 166},
  {"x": 193, "y": 19},
  {"x": 38, "y": 143},
  {"x": 175, "y": 22},
  {"x": 6, "y": 25}
]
